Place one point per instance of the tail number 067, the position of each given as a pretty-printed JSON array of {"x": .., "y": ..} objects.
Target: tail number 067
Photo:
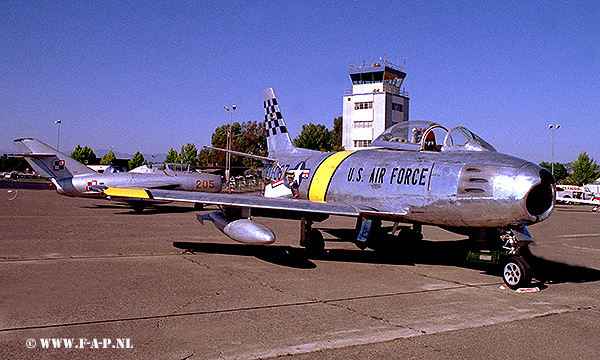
[{"x": 205, "y": 184}]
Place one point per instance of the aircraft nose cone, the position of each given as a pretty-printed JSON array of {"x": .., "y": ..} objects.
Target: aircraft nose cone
[{"x": 540, "y": 191}]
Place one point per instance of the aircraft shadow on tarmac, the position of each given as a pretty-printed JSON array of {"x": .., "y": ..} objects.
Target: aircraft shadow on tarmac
[{"x": 395, "y": 252}]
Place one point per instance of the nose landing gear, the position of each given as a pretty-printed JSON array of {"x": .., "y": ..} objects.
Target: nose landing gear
[
  {"x": 514, "y": 242},
  {"x": 516, "y": 272}
]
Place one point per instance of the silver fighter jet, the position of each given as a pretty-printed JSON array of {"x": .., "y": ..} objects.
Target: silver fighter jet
[
  {"x": 417, "y": 172},
  {"x": 73, "y": 178}
]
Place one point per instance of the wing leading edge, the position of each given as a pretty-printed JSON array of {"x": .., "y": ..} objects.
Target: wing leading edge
[{"x": 249, "y": 201}]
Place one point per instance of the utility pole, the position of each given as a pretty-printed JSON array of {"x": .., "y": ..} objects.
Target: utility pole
[
  {"x": 228, "y": 162},
  {"x": 553, "y": 127}
]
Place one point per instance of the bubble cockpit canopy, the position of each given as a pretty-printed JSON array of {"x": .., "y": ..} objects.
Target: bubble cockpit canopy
[{"x": 429, "y": 136}]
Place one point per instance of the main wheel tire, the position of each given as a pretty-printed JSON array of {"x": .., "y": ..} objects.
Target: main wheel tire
[
  {"x": 516, "y": 273},
  {"x": 137, "y": 207},
  {"x": 315, "y": 244}
]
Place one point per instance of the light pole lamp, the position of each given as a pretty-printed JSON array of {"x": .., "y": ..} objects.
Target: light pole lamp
[
  {"x": 553, "y": 127},
  {"x": 228, "y": 161},
  {"x": 58, "y": 122}
]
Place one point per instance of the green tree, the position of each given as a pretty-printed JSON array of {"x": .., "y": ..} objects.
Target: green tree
[
  {"x": 335, "y": 135},
  {"x": 219, "y": 139},
  {"x": 84, "y": 154},
  {"x": 108, "y": 158},
  {"x": 189, "y": 154},
  {"x": 251, "y": 140},
  {"x": 585, "y": 170},
  {"x": 315, "y": 137},
  {"x": 560, "y": 171},
  {"x": 172, "y": 156},
  {"x": 136, "y": 161},
  {"x": 205, "y": 157},
  {"x": 12, "y": 163}
]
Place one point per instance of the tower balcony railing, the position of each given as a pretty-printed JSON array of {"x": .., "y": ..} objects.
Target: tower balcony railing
[
  {"x": 379, "y": 63},
  {"x": 391, "y": 89}
]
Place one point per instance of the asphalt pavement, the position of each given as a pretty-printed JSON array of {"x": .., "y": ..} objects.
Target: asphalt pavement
[{"x": 94, "y": 276}]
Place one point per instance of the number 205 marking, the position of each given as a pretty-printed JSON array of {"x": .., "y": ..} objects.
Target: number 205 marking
[{"x": 205, "y": 184}]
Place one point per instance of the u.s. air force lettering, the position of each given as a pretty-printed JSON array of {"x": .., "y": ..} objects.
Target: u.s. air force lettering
[{"x": 410, "y": 176}]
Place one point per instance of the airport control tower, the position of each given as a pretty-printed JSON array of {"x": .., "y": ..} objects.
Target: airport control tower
[{"x": 375, "y": 102}]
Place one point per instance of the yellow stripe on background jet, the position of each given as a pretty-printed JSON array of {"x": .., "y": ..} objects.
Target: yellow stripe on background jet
[{"x": 416, "y": 172}]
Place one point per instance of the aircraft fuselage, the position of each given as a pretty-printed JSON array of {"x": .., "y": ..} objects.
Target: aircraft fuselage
[
  {"x": 80, "y": 185},
  {"x": 451, "y": 188}
]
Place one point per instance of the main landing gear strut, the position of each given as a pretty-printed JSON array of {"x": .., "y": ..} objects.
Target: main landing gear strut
[{"x": 311, "y": 239}]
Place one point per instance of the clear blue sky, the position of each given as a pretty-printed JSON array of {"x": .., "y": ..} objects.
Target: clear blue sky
[{"x": 148, "y": 76}]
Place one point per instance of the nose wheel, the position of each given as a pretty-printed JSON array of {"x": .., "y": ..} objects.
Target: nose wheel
[{"x": 516, "y": 273}]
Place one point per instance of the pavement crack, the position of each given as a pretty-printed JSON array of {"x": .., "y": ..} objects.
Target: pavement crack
[
  {"x": 445, "y": 354},
  {"x": 252, "y": 279},
  {"x": 181, "y": 307},
  {"x": 373, "y": 317},
  {"x": 189, "y": 356}
]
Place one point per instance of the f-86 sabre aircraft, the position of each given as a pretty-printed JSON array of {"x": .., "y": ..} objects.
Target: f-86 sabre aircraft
[
  {"x": 73, "y": 178},
  {"x": 416, "y": 172}
]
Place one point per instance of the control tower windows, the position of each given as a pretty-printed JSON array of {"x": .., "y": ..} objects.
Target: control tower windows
[
  {"x": 363, "y": 105},
  {"x": 363, "y": 124},
  {"x": 362, "y": 143}
]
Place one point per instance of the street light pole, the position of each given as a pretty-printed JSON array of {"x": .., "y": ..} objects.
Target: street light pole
[
  {"x": 228, "y": 161},
  {"x": 553, "y": 127},
  {"x": 58, "y": 122}
]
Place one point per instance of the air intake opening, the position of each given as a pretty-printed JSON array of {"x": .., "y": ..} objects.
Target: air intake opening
[{"x": 542, "y": 196}]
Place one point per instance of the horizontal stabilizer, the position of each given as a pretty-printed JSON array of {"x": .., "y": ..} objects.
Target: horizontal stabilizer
[{"x": 49, "y": 162}]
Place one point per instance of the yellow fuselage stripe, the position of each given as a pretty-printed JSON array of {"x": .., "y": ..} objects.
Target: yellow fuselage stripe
[
  {"x": 324, "y": 173},
  {"x": 124, "y": 192}
]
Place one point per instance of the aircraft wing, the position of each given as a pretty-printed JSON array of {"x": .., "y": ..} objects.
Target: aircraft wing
[{"x": 249, "y": 201}]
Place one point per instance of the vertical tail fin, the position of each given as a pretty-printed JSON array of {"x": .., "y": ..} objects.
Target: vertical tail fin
[
  {"x": 278, "y": 138},
  {"x": 49, "y": 162}
]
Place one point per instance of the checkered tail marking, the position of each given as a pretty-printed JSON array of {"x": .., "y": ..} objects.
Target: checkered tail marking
[{"x": 274, "y": 123}]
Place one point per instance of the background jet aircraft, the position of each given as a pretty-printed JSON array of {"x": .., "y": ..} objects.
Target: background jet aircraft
[
  {"x": 72, "y": 178},
  {"x": 417, "y": 172}
]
